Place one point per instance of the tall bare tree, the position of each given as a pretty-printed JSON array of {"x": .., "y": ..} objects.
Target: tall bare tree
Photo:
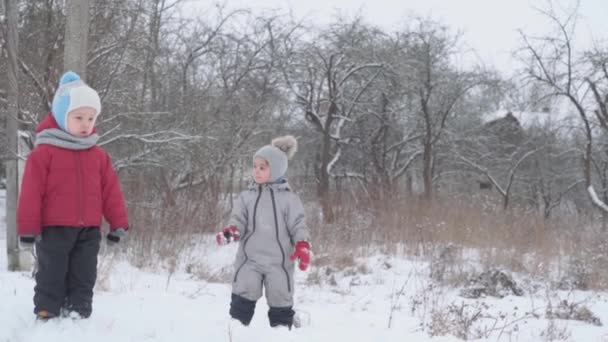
[
  {"x": 579, "y": 78},
  {"x": 12, "y": 128},
  {"x": 498, "y": 151},
  {"x": 328, "y": 80},
  {"x": 436, "y": 86},
  {"x": 76, "y": 36}
]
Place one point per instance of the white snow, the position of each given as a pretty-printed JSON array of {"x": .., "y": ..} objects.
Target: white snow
[
  {"x": 595, "y": 198},
  {"x": 346, "y": 303}
]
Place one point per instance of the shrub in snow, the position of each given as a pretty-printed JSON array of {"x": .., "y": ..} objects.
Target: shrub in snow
[
  {"x": 442, "y": 263},
  {"x": 573, "y": 311},
  {"x": 448, "y": 266},
  {"x": 576, "y": 277},
  {"x": 457, "y": 320},
  {"x": 493, "y": 283},
  {"x": 553, "y": 332}
]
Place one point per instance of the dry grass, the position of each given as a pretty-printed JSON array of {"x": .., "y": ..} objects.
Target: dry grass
[
  {"x": 202, "y": 271},
  {"x": 166, "y": 229},
  {"x": 567, "y": 251},
  {"x": 479, "y": 233}
]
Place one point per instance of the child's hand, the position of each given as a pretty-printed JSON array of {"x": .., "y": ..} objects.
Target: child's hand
[
  {"x": 228, "y": 235},
  {"x": 115, "y": 236},
  {"x": 302, "y": 253}
]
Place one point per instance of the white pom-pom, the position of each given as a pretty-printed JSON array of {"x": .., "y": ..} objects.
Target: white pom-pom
[{"x": 287, "y": 144}]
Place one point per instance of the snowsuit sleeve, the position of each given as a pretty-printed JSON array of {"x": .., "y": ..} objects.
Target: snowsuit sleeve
[
  {"x": 114, "y": 209},
  {"x": 296, "y": 220},
  {"x": 238, "y": 216},
  {"x": 33, "y": 186}
]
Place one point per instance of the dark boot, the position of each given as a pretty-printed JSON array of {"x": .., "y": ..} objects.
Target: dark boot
[
  {"x": 281, "y": 316},
  {"x": 242, "y": 309}
]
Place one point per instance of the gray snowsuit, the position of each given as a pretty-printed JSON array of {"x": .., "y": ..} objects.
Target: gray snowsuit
[{"x": 271, "y": 220}]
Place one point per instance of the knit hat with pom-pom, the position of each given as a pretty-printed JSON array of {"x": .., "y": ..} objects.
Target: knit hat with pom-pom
[
  {"x": 73, "y": 93},
  {"x": 277, "y": 154}
]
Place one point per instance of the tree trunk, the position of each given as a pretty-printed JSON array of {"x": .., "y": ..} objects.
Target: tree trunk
[
  {"x": 427, "y": 169},
  {"x": 149, "y": 76},
  {"x": 76, "y": 37},
  {"x": 12, "y": 127},
  {"x": 605, "y": 199},
  {"x": 323, "y": 185}
]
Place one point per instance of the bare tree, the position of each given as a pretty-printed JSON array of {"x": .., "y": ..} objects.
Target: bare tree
[
  {"x": 597, "y": 80},
  {"x": 500, "y": 169},
  {"x": 328, "y": 81},
  {"x": 393, "y": 147},
  {"x": 158, "y": 12},
  {"x": 435, "y": 87},
  {"x": 553, "y": 61},
  {"x": 554, "y": 178},
  {"x": 385, "y": 143},
  {"x": 12, "y": 128}
]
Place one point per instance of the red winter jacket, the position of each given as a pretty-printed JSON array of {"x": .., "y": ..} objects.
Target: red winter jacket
[{"x": 63, "y": 187}]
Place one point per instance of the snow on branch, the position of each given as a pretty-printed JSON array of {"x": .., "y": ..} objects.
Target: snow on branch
[
  {"x": 42, "y": 90},
  {"x": 139, "y": 159},
  {"x": 486, "y": 172},
  {"x": 133, "y": 114},
  {"x": 596, "y": 200},
  {"x": 363, "y": 90},
  {"x": 102, "y": 51},
  {"x": 334, "y": 160},
  {"x": 352, "y": 71},
  {"x": 520, "y": 162},
  {"x": 404, "y": 142},
  {"x": 406, "y": 165},
  {"x": 161, "y": 137}
]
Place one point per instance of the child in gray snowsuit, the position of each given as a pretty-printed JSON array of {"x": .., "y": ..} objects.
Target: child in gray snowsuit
[{"x": 268, "y": 220}]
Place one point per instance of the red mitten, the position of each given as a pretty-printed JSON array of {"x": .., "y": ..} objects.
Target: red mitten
[
  {"x": 227, "y": 235},
  {"x": 302, "y": 253}
]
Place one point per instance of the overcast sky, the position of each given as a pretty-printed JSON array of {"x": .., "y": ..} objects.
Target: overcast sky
[{"x": 488, "y": 26}]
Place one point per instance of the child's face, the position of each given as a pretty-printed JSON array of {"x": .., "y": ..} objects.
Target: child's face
[
  {"x": 81, "y": 121},
  {"x": 261, "y": 171}
]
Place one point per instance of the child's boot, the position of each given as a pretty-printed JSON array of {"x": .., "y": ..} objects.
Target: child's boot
[
  {"x": 242, "y": 309},
  {"x": 44, "y": 315},
  {"x": 281, "y": 316}
]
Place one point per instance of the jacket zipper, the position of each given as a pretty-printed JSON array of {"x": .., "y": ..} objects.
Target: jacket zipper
[
  {"x": 276, "y": 227},
  {"x": 80, "y": 191},
  {"x": 255, "y": 208}
]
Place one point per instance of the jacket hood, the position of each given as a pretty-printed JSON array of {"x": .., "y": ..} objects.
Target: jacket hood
[{"x": 47, "y": 123}]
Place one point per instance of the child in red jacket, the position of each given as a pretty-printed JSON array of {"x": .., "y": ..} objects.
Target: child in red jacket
[{"x": 68, "y": 184}]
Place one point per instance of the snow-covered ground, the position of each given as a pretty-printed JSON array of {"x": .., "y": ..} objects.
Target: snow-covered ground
[{"x": 353, "y": 302}]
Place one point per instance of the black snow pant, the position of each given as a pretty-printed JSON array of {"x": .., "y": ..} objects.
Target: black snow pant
[
  {"x": 67, "y": 269},
  {"x": 242, "y": 309}
]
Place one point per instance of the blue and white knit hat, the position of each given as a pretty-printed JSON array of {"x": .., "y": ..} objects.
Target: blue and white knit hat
[
  {"x": 277, "y": 154},
  {"x": 73, "y": 93}
]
